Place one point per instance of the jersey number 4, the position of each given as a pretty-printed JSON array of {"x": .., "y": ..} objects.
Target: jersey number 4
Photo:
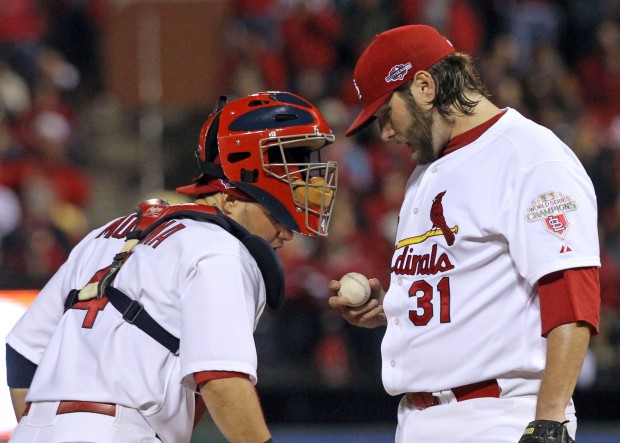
[
  {"x": 424, "y": 294},
  {"x": 92, "y": 307}
]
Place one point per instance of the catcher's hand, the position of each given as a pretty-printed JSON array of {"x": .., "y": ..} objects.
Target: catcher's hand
[{"x": 546, "y": 431}]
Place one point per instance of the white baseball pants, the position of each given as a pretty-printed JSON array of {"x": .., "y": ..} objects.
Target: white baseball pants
[{"x": 43, "y": 425}]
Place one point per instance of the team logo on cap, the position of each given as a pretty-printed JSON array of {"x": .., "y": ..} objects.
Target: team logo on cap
[
  {"x": 398, "y": 72},
  {"x": 227, "y": 184},
  {"x": 357, "y": 88},
  {"x": 551, "y": 209}
]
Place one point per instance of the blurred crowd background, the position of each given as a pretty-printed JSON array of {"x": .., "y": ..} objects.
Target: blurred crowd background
[{"x": 72, "y": 154}]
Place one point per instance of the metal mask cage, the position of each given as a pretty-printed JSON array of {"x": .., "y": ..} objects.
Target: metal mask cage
[{"x": 312, "y": 183}]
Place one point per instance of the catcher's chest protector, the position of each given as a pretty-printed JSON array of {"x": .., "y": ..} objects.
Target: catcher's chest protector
[{"x": 152, "y": 214}]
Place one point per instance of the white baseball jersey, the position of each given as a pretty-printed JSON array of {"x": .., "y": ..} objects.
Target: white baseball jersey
[
  {"x": 476, "y": 231},
  {"x": 194, "y": 278}
]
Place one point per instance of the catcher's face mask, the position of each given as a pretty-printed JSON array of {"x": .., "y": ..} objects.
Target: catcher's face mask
[{"x": 268, "y": 145}]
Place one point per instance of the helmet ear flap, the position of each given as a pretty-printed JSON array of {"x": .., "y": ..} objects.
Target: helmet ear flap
[
  {"x": 221, "y": 101},
  {"x": 210, "y": 145},
  {"x": 208, "y": 166}
]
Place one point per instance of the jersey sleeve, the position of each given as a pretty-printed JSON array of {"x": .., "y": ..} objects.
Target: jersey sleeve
[
  {"x": 32, "y": 332},
  {"x": 550, "y": 220},
  {"x": 220, "y": 311}
]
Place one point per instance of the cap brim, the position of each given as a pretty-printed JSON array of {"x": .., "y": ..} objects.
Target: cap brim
[
  {"x": 213, "y": 186},
  {"x": 366, "y": 117},
  {"x": 189, "y": 190}
]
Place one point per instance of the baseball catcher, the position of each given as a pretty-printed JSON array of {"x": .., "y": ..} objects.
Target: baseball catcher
[{"x": 152, "y": 317}]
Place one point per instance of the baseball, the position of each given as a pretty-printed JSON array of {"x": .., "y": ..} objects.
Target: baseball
[{"x": 355, "y": 287}]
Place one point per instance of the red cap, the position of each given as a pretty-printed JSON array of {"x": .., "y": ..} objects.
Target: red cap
[{"x": 391, "y": 60}]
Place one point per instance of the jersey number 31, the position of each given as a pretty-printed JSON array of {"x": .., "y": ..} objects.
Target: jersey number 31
[{"x": 424, "y": 294}]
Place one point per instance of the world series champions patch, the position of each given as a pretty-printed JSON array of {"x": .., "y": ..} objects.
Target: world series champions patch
[{"x": 551, "y": 209}]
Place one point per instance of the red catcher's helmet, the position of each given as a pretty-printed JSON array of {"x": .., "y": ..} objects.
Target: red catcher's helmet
[{"x": 267, "y": 145}]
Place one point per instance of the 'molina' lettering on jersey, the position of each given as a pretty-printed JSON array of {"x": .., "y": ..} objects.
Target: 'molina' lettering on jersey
[
  {"x": 121, "y": 227},
  {"x": 427, "y": 264}
]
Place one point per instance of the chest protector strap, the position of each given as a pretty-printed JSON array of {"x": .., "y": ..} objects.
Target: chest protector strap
[{"x": 151, "y": 214}]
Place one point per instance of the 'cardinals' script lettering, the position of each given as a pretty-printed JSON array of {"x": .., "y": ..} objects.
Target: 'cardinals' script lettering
[{"x": 428, "y": 264}]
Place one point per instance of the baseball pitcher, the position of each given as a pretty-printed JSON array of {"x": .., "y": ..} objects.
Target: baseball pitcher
[{"x": 494, "y": 289}]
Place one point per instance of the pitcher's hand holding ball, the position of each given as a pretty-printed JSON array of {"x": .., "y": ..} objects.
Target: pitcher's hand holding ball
[{"x": 368, "y": 314}]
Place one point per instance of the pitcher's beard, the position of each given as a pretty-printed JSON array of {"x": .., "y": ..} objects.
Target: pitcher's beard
[{"x": 419, "y": 136}]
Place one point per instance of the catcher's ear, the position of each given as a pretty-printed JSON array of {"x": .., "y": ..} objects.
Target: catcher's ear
[
  {"x": 228, "y": 203},
  {"x": 229, "y": 200}
]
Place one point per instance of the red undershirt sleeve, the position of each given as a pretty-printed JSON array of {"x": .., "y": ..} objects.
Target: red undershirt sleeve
[
  {"x": 205, "y": 376},
  {"x": 568, "y": 296}
]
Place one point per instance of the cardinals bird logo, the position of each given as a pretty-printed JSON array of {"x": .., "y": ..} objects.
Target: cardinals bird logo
[
  {"x": 439, "y": 221},
  {"x": 439, "y": 227}
]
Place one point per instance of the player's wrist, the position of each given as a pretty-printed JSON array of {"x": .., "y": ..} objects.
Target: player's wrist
[{"x": 551, "y": 412}]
